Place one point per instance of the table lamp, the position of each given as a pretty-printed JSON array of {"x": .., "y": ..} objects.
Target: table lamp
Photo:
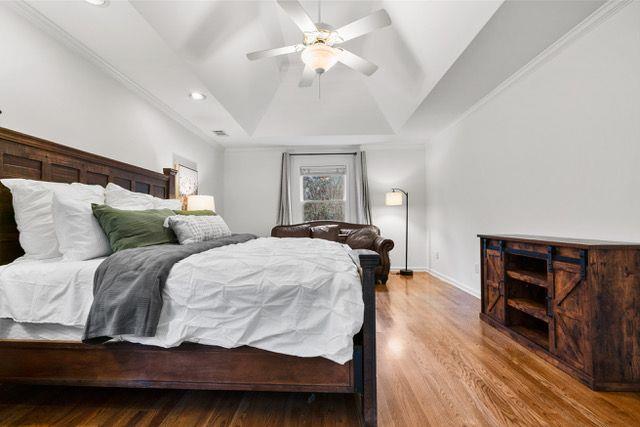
[{"x": 201, "y": 203}]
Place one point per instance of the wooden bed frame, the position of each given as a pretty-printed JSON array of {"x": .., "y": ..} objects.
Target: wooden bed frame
[{"x": 189, "y": 366}]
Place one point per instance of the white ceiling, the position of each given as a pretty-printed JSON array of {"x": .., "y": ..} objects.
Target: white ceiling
[{"x": 435, "y": 61}]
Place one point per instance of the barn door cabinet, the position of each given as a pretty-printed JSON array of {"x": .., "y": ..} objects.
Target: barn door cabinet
[{"x": 576, "y": 303}]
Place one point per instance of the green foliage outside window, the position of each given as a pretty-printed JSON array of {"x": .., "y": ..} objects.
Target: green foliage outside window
[
  {"x": 324, "y": 211},
  {"x": 323, "y": 197}
]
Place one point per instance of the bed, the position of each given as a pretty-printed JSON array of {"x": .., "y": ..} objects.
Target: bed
[{"x": 42, "y": 353}]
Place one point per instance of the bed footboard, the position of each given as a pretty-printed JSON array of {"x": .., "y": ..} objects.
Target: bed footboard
[
  {"x": 189, "y": 366},
  {"x": 368, "y": 261},
  {"x": 194, "y": 366}
]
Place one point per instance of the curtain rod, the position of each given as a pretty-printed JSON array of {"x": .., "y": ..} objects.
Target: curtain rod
[{"x": 324, "y": 154}]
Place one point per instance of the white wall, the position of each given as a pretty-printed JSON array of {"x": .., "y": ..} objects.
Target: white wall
[
  {"x": 251, "y": 188},
  {"x": 556, "y": 153},
  {"x": 49, "y": 91},
  {"x": 402, "y": 167}
]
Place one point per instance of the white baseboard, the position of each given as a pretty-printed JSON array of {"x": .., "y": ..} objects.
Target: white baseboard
[
  {"x": 396, "y": 268},
  {"x": 462, "y": 286}
]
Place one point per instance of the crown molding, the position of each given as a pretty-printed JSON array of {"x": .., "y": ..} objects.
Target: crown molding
[
  {"x": 329, "y": 148},
  {"x": 417, "y": 145},
  {"x": 47, "y": 25},
  {"x": 293, "y": 149},
  {"x": 602, "y": 14},
  {"x": 255, "y": 149}
]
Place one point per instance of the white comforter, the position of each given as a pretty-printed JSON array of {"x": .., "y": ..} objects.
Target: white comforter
[{"x": 301, "y": 297}]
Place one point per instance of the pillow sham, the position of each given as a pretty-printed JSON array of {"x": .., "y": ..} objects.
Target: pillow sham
[
  {"x": 127, "y": 229},
  {"x": 197, "y": 228},
  {"x": 120, "y": 198},
  {"x": 173, "y": 204},
  {"x": 79, "y": 234},
  {"x": 33, "y": 209}
]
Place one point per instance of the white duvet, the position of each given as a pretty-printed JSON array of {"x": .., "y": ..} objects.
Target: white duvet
[{"x": 298, "y": 296}]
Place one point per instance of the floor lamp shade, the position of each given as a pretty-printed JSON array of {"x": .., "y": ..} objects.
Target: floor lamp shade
[{"x": 393, "y": 198}]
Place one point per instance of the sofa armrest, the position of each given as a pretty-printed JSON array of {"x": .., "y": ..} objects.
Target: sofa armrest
[{"x": 382, "y": 246}]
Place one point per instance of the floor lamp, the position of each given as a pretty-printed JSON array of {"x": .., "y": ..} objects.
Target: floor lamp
[{"x": 394, "y": 198}]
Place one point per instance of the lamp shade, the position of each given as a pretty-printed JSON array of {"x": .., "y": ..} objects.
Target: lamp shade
[
  {"x": 320, "y": 57},
  {"x": 200, "y": 203},
  {"x": 393, "y": 198}
]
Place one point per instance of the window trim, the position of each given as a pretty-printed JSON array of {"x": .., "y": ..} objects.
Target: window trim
[{"x": 319, "y": 162}]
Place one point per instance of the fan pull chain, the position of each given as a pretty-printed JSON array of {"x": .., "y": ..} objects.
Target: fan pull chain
[{"x": 319, "y": 21}]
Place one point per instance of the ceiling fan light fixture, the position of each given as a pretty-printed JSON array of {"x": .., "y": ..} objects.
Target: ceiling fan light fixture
[
  {"x": 317, "y": 51},
  {"x": 319, "y": 57},
  {"x": 100, "y": 3}
]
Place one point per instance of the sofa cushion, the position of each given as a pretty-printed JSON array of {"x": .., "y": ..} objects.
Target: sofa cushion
[
  {"x": 327, "y": 232},
  {"x": 302, "y": 230},
  {"x": 346, "y": 231},
  {"x": 362, "y": 238}
]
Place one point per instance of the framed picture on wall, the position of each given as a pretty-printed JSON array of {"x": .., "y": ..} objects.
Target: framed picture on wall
[{"x": 186, "y": 181}]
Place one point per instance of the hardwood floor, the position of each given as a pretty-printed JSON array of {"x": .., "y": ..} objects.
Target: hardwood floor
[{"x": 437, "y": 365}]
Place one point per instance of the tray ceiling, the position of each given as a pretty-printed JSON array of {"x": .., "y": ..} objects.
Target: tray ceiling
[{"x": 166, "y": 49}]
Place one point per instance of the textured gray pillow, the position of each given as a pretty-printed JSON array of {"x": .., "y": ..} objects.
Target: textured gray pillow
[{"x": 196, "y": 228}]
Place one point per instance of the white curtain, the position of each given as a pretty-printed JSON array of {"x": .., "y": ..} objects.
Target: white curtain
[
  {"x": 284, "y": 206},
  {"x": 363, "y": 208}
]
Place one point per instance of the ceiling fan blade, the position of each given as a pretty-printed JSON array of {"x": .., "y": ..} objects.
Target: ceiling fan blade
[
  {"x": 272, "y": 52},
  {"x": 362, "y": 26},
  {"x": 298, "y": 15},
  {"x": 307, "y": 77},
  {"x": 356, "y": 63}
]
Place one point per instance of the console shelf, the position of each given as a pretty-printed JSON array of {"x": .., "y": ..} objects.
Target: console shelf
[
  {"x": 536, "y": 336},
  {"x": 530, "y": 307},
  {"x": 569, "y": 301},
  {"x": 532, "y": 277}
]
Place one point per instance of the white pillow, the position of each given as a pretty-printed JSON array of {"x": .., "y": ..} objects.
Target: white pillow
[
  {"x": 173, "y": 204},
  {"x": 83, "y": 192},
  {"x": 79, "y": 234},
  {"x": 119, "y": 198},
  {"x": 32, "y": 207},
  {"x": 197, "y": 228}
]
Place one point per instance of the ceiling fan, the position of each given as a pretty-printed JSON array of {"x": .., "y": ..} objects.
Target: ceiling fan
[{"x": 318, "y": 51}]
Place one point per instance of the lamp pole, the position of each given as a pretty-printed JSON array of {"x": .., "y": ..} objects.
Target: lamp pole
[{"x": 406, "y": 271}]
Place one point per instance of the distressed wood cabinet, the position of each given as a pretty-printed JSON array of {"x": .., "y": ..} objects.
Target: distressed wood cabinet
[{"x": 576, "y": 303}]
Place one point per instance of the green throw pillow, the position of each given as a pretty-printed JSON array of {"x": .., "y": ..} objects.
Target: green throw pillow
[
  {"x": 132, "y": 229},
  {"x": 202, "y": 212}
]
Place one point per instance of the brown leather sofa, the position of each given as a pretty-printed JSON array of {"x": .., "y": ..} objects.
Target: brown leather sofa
[{"x": 357, "y": 236}]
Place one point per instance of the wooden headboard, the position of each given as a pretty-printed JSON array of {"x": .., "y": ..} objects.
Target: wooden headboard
[{"x": 24, "y": 156}]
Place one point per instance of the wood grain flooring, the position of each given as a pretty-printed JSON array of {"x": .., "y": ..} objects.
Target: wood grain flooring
[{"x": 438, "y": 365}]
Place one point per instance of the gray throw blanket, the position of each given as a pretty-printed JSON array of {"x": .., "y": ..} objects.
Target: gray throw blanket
[{"x": 127, "y": 288}]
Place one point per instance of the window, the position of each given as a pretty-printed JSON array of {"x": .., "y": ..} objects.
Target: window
[
  {"x": 323, "y": 193},
  {"x": 322, "y": 188}
]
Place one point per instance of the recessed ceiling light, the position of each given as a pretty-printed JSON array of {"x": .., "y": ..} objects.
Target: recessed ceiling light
[
  {"x": 102, "y": 3},
  {"x": 197, "y": 96}
]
